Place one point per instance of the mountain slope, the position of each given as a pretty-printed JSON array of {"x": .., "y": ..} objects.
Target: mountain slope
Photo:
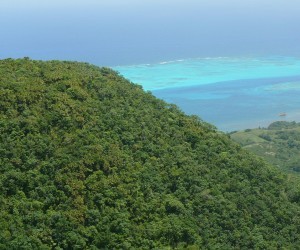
[
  {"x": 279, "y": 144},
  {"x": 91, "y": 161}
]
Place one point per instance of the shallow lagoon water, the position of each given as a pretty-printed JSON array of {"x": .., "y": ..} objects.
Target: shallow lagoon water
[{"x": 231, "y": 93}]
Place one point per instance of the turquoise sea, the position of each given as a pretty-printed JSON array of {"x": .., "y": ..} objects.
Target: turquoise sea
[{"x": 232, "y": 93}]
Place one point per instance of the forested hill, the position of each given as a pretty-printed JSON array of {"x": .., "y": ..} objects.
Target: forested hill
[{"x": 91, "y": 161}]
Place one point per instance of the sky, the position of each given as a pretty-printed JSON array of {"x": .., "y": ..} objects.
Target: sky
[{"x": 118, "y": 32}]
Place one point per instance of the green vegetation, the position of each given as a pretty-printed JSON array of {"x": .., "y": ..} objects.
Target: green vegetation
[
  {"x": 91, "y": 161},
  {"x": 279, "y": 144}
]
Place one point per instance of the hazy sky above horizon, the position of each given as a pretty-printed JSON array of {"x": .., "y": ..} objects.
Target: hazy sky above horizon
[{"x": 116, "y": 32}]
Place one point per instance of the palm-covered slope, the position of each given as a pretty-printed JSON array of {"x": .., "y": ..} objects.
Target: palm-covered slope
[{"x": 89, "y": 160}]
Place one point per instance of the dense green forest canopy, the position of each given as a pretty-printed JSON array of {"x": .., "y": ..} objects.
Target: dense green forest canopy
[
  {"x": 91, "y": 161},
  {"x": 279, "y": 144}
]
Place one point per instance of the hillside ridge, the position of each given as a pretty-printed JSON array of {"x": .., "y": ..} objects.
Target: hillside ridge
[{"x": 91, "y": 161}]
